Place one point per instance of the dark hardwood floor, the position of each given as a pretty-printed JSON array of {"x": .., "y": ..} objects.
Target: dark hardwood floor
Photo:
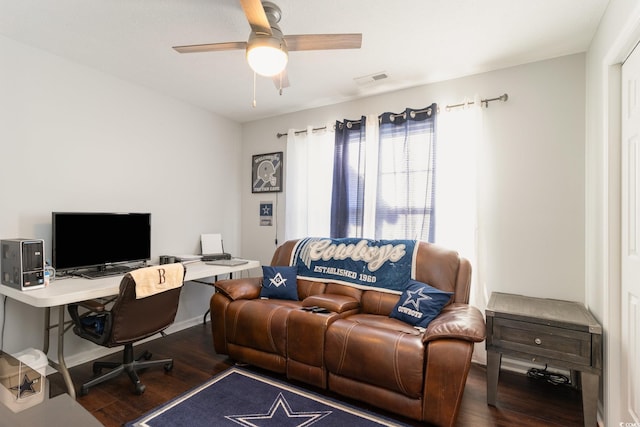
[{"x": 521, "y": 401}]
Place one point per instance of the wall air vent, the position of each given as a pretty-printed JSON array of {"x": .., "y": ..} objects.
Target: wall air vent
[{"x": 371, "y": 78}]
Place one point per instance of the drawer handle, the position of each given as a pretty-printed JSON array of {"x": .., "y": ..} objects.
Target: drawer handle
[{"x": 538, "y": 341}]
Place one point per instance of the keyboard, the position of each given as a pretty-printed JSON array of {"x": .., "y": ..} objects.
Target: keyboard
[
  {"x": 227, "y": 262},
  {"x": 107, "y": 272},
  {"x": 215, "y": 257}
]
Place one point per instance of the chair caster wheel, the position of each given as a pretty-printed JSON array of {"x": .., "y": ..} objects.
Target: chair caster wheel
[
  {"x": 83, "y": 391},
  {"x": 147, "y": 355},
  {"x": 168, "y": 367},
  {"x": 140, "y": 389}
]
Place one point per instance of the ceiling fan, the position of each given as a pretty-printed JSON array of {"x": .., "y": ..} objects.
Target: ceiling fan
[{"x": 267, "y": 49}]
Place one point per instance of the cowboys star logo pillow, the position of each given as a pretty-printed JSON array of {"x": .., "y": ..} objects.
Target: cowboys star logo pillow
[
  {"x": 419, "y": 304},
  {"x": 279, "y": 283}
]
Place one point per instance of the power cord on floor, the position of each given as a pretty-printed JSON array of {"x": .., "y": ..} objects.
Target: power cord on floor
[{"x": 550, "y": 377}]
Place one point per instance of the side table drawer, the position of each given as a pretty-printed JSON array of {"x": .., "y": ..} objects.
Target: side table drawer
[{"x": 547, "y": 342}]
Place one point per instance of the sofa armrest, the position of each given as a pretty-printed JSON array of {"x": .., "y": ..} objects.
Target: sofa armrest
[
  {"x": 236, "y": 289},
  {"x": 332, "y": 302},
  {"x": 457, "y": 320}
]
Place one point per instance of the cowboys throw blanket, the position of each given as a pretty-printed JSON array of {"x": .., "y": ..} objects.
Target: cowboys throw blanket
[{"x": 384, "y": 265}]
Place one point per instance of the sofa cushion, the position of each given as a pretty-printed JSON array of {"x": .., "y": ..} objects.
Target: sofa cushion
[
  {"x": 374, "y": 302},
  {"x": 419, "y": 304},
  {"x": 259, "y": 324},
  {"x": 381, "y": 356},
  {"x": 307, "y": 288},
  {"x": 279, "y": 283}
]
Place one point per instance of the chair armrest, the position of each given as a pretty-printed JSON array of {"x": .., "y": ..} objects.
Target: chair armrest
[
  {"x": 332, "y": 302},
  {"x": 457, "y": 320},
  {"x": 236, "y": 289}
]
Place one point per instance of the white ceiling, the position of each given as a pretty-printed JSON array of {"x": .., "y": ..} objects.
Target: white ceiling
[{"x": 413, "y": 41}]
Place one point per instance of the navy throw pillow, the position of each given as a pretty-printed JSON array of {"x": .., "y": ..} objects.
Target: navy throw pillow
[
  {"x": 279, "y": 283},
  {"x": 419, "y": 304}
]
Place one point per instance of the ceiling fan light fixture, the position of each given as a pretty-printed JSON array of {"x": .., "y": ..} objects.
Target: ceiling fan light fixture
[{"x": 267, "y": 56}]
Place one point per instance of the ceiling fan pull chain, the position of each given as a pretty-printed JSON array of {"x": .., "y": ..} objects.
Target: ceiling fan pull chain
[{"x": 254, "y": 90}]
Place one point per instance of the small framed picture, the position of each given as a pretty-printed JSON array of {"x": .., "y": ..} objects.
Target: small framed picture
[
  {"x": 266, "y": 173},
  {"x": 266, "y": 214}
]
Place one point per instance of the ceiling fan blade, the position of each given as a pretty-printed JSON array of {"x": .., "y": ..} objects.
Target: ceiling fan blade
[
  {"x": 323, "y": 41},
  {"x": 256, "y": 16},
  {"x": 282, "y": 77},
  {"x": 210, "y": 47}
]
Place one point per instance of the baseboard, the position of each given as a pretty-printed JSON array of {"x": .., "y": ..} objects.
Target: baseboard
[{"x": 97, "y": 352}]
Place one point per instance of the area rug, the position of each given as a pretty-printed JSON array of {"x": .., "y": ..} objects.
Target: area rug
[{"x": 240, "y": 397}]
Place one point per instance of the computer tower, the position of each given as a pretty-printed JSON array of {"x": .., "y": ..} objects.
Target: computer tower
[{"x": 22, "y": 263}]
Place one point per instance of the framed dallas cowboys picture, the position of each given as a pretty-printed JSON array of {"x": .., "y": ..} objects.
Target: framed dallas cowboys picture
[{"x": 266, "y": 173}]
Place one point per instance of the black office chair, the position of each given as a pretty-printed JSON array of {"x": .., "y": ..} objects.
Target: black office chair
[{"x": 130, "y": 320}]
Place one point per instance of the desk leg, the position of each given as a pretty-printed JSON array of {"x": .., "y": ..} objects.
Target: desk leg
[
  {"x": 590, "y": 386},
  {"x": 47, "y": 329},
  {"x": 61, "y": 364},
  {"x": 215, "y": 279},
  {"x": 493, "y": 371}
]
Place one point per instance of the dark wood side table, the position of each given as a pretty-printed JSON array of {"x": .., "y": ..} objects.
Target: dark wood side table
[{"x": 563, "y": 334}]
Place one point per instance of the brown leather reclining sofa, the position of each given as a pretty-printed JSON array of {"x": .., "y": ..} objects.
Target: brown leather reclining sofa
[{"x": 357, "y": 350}]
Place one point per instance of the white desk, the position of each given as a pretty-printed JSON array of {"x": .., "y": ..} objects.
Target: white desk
[{"x": 66, "y": 291}]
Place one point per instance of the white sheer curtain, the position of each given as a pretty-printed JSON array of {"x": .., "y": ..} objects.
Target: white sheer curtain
[
  {"x": 371, "y": 176},
  {"x": 458, "y": 180},
  {"x": 308, "y": 180}
]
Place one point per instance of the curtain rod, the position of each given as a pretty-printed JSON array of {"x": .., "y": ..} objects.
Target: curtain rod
[
  {"x": 504, "y": 97},
  {"x": 298, "y": 132}
]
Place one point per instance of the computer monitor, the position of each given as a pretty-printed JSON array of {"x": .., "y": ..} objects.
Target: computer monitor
[{"x": 91, "y": 239}]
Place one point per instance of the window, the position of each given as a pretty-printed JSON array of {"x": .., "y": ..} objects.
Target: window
[
  {"x": 376, "y": 180},
  {"x": 405, "y": 197},
  {"x": 383, "y": 178}
]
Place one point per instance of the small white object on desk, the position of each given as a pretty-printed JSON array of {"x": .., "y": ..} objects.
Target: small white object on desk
[
  {"x": 211, "y": 243},
  {"x": 188, "y": 258}
]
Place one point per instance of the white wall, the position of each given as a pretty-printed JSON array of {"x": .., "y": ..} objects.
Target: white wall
[
  {"x": 74, "y": 139},
  {"x": 532, "y": 195},
  {"x": 617, "y": 34}
]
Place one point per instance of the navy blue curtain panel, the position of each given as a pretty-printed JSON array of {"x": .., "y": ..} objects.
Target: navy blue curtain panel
[{"x": 347, "y": 198}]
